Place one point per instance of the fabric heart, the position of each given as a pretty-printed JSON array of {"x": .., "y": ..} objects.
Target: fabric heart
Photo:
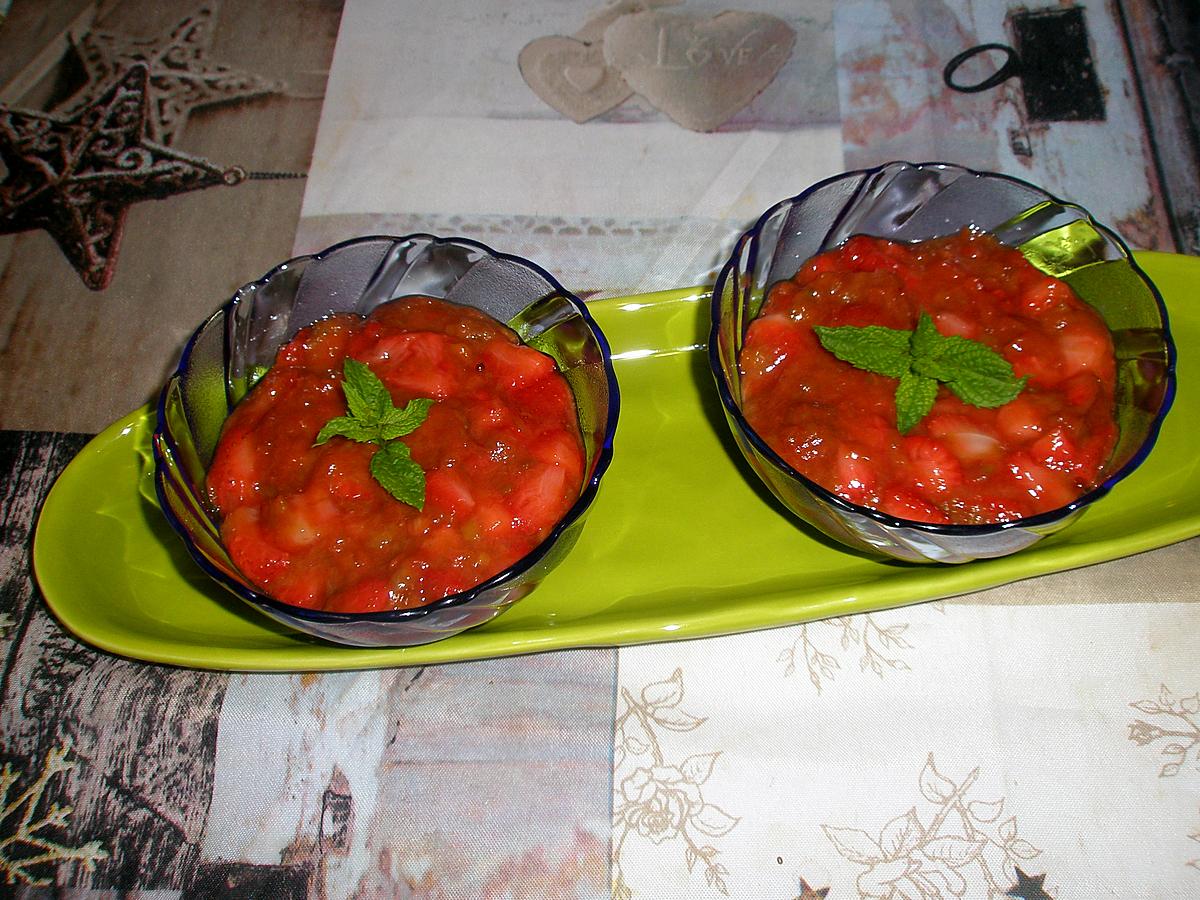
[
  {"x": 584, "y": 78},
  {"x": 572, "y": 77},
  {"x": 592, "y": 31},
  {"x": 698, "y": 71}
]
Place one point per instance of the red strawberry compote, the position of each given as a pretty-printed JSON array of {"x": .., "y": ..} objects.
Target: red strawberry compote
[
  {"x": 961, "y": 464},
  {"x": 501, "y": 451}
]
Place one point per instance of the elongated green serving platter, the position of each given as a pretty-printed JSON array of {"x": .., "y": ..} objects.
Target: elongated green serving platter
[{"x": 682, "y": 542}]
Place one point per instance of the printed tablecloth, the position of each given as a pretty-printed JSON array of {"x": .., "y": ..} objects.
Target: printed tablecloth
[{"x": 1040, "y": 739}]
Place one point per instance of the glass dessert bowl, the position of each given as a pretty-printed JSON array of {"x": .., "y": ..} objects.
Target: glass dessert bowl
[
  {"x": 907, "y": 203},
  {"x": 237, "y": 345}
]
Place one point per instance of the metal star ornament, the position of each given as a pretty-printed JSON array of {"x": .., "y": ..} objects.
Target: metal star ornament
[
  {"x": 76, "y": 176},
  {"x": 1028, "y": 887},
  {"x": 810, "y": 893},
  {"x": 182, "y": 77}
]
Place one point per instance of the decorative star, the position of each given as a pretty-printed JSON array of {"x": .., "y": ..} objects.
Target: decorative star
[
  {"x": 809, "y": 893},
  {"x": 77, "y": 176},
  {"x": 182, "y": 78},
  {"x": 1029, "y": 887}
]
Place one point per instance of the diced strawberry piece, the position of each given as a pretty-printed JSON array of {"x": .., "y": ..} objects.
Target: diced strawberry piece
[
  {"x": 907, "y": 505},
  {"x": 485, "y": 415},
  {"x": 1042, "y": 294},
  {"x": 441, "y": 581},
  {"x": 415, "y": 364},
  {"x": 415, "y": 348},
  {"x": 560, "y": 448},
  {"x": 544, "y": 401},
  {"x": 952, "y": 324},
  {"x": 1084, "y": 349},
  {"x": 249, "y": 548},
  {"x": 1034, "y": 354},
  {"x": 347, "y": 476},
  {"x": 1021, "y": 419},
  {"x": 775, "y": 339},
  {"x": 1056, "y": 450},
  {"x": 370, "y": 595},
  {"x": 867, "y": 255},
  {"x": 996, "y": 506},
  {"x": 301, "y": 587},
  {"x": 781, "y": 295},
  {"x": 300, "y": 520},
  {"x": 863, "y": 314},
  {"x": 491, "y": 520},
  {"x": 443, "y": 544},
  {"x": 233, "y": 475},
  {"x": 444, "y": 489},
  {"x": 1092, "y": 452},
  {"x": 871, "y": 433},
  {"x": 969, "y": 440},
  {"x": 854, "y": 477},
  {"x": 1053, "y": 489},
  {"x": 1082, "y": 390},
  {"x": 539, "y": 500},
  {"x": 428, "y": 314},
  {"x": 932, "y": 469},
  {"x": 514, "y": 365},
  {"x": 320, "y": 347}
]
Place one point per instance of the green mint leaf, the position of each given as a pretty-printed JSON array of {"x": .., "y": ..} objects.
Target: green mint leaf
[
  {"x": 366, "y": 396},
  {"x": 392, "y": 466},
  {"x": 986, "y": 391},
  {"x": 375, "y": 419},
  {"x": 347, "y": 427},
  {"x": 399, "y": 422},
  {"x": 914, "y": 399},
  {"x": 926, "y": 338},
  {"x": 920, "y": 359},
  {"x": 875, "y": 348},
  {"x": 975, "y": 372},
  {"x": 937, "y": 355}
]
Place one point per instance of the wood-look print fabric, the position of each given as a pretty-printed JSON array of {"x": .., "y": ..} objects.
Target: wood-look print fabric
[
  {"x": 75, "y": 169},
  {"x": 894, "y": 105},
  {"x": 105, "y": 107},
  {"x": 485, "y": 779},
  {"x": 76, "y": 175},
  {"x": 108, "y": 764}
]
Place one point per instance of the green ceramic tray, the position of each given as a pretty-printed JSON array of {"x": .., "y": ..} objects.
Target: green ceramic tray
[{"x": 682, "y": 541}]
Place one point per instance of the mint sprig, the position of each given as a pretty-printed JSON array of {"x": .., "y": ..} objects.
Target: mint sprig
[
  {"x": 373, "y": 418},
  {"x": 921, "y": 359}
]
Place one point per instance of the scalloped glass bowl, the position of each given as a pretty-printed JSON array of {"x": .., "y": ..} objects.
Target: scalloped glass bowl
[
  {"x": 230, "y": 351},
  {"x": 906, "y": 202}
]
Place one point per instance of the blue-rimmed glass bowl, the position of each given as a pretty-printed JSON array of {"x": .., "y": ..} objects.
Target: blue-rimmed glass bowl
[
  {"x": 230, "y": 351},
  {"x": 905, "y": 202}
]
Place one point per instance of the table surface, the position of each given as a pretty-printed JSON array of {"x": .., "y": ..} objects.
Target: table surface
[{"x": 1040, "y": 739}]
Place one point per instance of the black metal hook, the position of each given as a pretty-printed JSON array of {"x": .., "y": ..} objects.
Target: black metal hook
[{"x": 1011, "y": 67}]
